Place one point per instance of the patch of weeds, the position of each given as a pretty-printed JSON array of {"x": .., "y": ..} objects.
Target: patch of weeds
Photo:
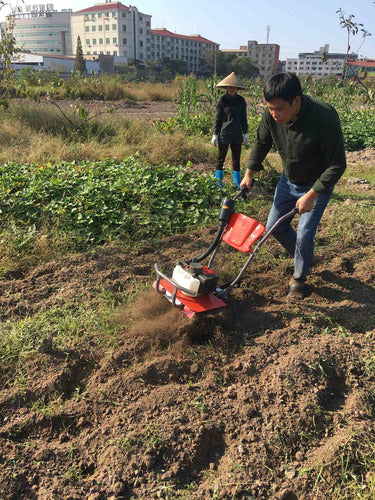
[
  {"x": 20, "y": 340},
  {"x": 47, "y": 408},
  {"x": 288, "y": 381},
  {"x": 200, "y": 404},
  {"x": 78, "y": 393},
  {"x": 150, "y": 439},
  {"x": 74, "y": 472},
  {"x": 369, "y": 364},
  {"x": 350, "y": 476}
]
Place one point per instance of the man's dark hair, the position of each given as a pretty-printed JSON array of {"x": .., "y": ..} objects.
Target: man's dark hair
[{"x": 283, "y": 86}]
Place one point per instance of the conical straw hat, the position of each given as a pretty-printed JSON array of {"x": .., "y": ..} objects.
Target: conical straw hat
[{"x": 231, "y": 80}]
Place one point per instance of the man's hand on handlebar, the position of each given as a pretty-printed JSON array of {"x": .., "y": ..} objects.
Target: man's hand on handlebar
[{"x": 247, "y": 180}]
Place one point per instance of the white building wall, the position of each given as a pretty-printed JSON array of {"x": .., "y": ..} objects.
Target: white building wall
[
  {"x": 113, "y": 31},
  {"x": 45, "y": 34},
  {"x": 190, "y": 49},
  {"x": 318, "y": 64}
]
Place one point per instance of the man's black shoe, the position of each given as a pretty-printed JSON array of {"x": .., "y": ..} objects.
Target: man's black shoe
[{"x": 297, "y": 290}]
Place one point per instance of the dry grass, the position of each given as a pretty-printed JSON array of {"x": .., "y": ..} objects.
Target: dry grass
[
  {"x": 147, "y": 91},
  {"x": 38, "y": 133}
]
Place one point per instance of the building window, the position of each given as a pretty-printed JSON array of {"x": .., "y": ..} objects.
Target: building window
[
  {"x": 141, "y": 43},
  {"x": 94, "y": 41},
  {"x": 100, "y": 41},
  {"x": 108, "y": 53},
  {"x": 93, "y": 28},
  {"x": 114, "y": 39},
  {"x": 87, "y": 42},
  {"x": 99, "y": 14},
  {"x": 107, "y": 40},
  {"x": 113, "y": 14},
  {"x": 87, "y": 28},
  {"x": 107, "y": 27},
  {"x": 141, "y": 55},
  {"x": 125, "y": 41},
  {"x": 115, "y": 52},
  {"x": 100, "y": 27},
  {"x": 141, "y": 30},
  {"x": 124, "y": 27},
  {"x": 114, "y": 26},
  {"x": 123, "y": 14},
  {"x": 140, "y": 18}
]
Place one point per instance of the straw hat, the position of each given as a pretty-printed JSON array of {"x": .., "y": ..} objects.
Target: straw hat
[{"x": 231, "y": 80}]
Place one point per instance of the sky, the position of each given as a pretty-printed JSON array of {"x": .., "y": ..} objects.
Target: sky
[{"x": 296, "y": 25}]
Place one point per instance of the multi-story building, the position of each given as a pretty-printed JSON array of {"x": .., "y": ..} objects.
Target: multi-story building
[
  {"x": 41, "y": 29},
  {"x": 241, "y": 52},
  {"x": 319, "y": 63},
  {"x": 191, "y": 49},
  {"x": 264, "y": 55},
  {"x": 112, "y": 28}
]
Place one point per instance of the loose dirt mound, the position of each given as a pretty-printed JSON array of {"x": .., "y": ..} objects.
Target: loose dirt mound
[{"x": 238, "y": 404}]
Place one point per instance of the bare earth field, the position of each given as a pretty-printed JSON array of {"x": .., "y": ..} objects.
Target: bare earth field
[
  {"x": 265, "y": 399},
  {"x": 254, "y": 401}
]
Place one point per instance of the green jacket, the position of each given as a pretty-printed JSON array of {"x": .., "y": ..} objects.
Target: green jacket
[{"x": 311, "y": 148}]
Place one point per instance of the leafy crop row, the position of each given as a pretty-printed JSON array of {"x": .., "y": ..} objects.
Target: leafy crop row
[{"x": 97, "y": 202}]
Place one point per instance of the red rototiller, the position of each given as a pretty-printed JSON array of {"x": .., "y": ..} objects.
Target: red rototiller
[{"x": 193, "y": 287}]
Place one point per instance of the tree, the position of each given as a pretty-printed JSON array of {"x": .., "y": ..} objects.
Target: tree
[
  {"x": 216, "y": 62},
  {"x": 79, "y": 63},
  {"x": 352, "y": 28},
  {"x": 174, "y": 65},
  {"x": 7, "y": 51},
  {"x": 245, "y": 67}
]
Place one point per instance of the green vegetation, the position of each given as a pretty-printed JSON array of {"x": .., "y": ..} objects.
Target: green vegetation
[{"x": 93, "y": 203}]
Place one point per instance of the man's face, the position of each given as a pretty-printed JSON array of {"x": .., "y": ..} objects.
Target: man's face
[{"x": 282, "y": 111}]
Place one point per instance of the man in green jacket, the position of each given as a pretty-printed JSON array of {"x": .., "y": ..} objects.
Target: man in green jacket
[{"x": 307, "y": 134}]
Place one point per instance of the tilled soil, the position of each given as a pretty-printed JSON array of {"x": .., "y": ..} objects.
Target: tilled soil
[{"x": 248, "y": 402}]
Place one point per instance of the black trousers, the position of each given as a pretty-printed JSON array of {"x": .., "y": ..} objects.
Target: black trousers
[{"x": 236, "y": 155}]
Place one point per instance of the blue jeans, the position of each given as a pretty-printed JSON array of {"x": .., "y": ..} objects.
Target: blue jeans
[{"x": 299, "y": 244}]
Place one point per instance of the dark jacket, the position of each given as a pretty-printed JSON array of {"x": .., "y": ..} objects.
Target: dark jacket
[
  {"x": 231, "y": 121},
  {"x": 311, "y": 148}
]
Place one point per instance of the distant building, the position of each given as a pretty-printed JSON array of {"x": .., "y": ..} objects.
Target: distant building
[
  {"x": 241, "y": 52},
  {"x": 63, "y": 65},
  {"x": 41, "y": 29},
  {"x": 264, "y": 55},
  {"x": 112, "y": 29},
  {"x": 361, "y": 67},
  {"x": 319, "y": 63},
  {"x": 191, "y": 49}
]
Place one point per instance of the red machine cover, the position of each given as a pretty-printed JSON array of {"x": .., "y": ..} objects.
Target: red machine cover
[{"x": 242, "y": 231}]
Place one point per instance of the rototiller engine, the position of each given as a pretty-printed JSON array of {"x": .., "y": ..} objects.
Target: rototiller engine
[{"x": 194, "y": 288}]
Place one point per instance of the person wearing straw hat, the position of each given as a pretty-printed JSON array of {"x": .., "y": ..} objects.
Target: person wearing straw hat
[{"x": 230, "y": 127}]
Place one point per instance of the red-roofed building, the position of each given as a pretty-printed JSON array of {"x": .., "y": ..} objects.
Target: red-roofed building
[
  {"x": 361, "y": 67},
  {"x": 165, "y": 43},
  {"x": 112, "y": 28}
]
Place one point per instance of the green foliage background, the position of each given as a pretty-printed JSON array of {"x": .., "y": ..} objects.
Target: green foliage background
[{"x": 99, "y": 202}]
